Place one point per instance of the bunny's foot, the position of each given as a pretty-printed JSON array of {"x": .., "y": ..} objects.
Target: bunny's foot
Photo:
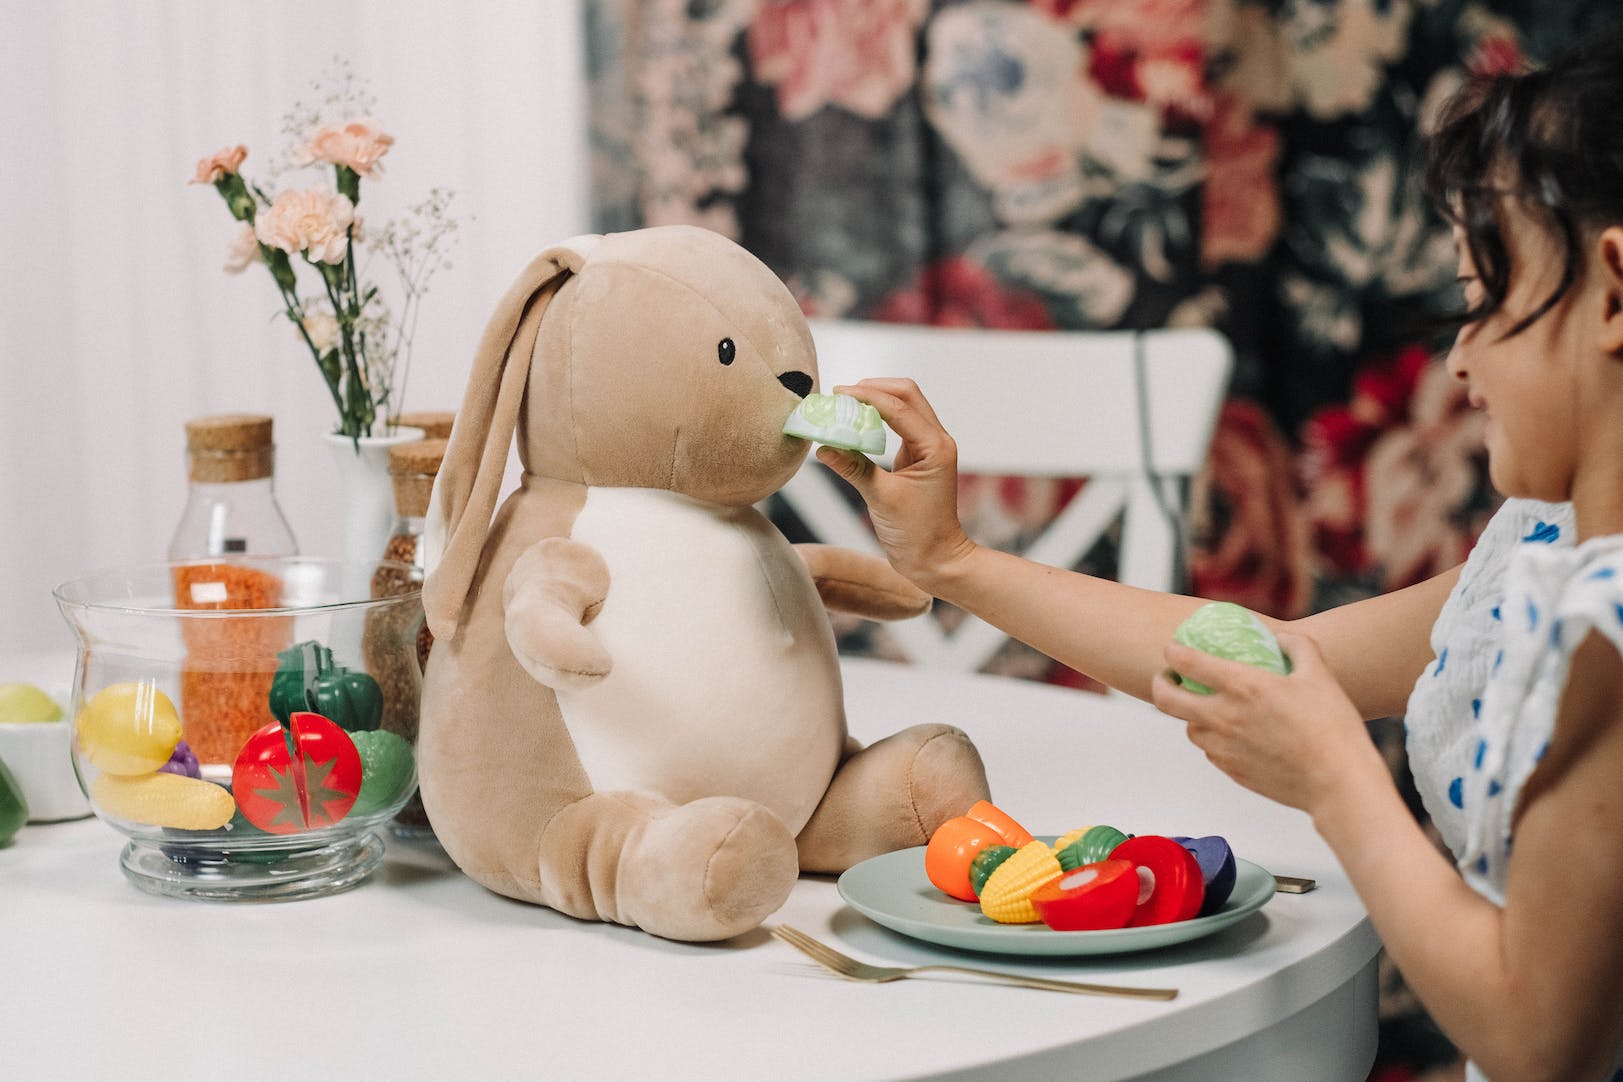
[
  {"x": 891, "y": 795},
  {"x": 706, "y": 870}
]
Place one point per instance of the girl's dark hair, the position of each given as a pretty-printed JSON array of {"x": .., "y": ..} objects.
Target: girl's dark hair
[{"x": 1551, "y": 138}]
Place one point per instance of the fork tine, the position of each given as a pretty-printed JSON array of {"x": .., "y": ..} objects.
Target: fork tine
[
  {"x": 842, "y": 964},
  {"x": 797, "y": 939},
  {"x": 816, "y": 951}
]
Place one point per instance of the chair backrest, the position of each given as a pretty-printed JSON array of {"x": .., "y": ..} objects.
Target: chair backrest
[{"x": 1133, "y": 412}]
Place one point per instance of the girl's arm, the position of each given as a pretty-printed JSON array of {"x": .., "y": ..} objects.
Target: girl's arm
[
  {"x": 1116, "y": 634},
  {"x": 1530, "y": 991},
  {"x": 1112, "y": 632}
]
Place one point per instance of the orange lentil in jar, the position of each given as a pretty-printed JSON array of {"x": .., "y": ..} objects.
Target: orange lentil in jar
[{"x": 230, "y": 661}]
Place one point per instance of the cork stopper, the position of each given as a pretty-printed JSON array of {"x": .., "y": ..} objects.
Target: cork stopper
[
  {"x": 230, "y": 447},
  {"x": 413, "y": 467},
  {"x": 436, "y": 425}
]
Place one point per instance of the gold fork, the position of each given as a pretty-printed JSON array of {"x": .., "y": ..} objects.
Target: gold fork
[{"x": 852, "y": 969}]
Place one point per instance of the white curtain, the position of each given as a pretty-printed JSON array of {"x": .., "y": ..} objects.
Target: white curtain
[{"x": 116, "y": 321}]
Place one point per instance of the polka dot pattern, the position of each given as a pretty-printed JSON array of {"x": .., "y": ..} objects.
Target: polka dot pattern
[{"x": 1561, "y": 592}]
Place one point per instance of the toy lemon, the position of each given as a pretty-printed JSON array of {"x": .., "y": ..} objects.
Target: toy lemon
[{"x": 127, "y": 729}]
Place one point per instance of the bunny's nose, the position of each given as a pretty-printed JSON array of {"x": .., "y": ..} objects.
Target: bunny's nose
[{"x": 798, "y": 382}]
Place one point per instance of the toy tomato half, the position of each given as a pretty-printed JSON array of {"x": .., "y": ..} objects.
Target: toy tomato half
[
  {"x": 984, "y": 811},
  {"x": 952, "y": 849},
  {"x": 1094, "y": 896},
  {"x": 1170, "y": 884},
  {"x": 282, "y": 792}
]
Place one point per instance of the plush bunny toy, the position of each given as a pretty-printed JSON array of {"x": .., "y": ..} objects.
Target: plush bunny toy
[{"x": 633, "y": 709}]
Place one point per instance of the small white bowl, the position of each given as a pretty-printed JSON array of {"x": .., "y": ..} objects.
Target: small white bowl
[{"x": 40, "y": 756}]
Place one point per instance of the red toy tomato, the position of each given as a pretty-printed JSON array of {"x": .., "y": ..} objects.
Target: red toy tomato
[
  {"x": 1171, "y": 886},
  {"x": 283, "y": 793},
  {"x": 984, "y": 811},
  {"x": 952, "y": 849},
  {"x": 1095, "y": 896}
]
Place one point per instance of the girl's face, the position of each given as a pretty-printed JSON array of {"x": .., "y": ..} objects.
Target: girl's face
[{"x": 1527, "y": 384}]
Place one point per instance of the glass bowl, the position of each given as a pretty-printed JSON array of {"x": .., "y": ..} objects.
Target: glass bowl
[{"x": 249, "y": 724}]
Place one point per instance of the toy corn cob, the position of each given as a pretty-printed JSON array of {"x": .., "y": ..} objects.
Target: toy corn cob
[
  {"x": 1006, "y": 896},
  {"x": 1070, "y": 836}
]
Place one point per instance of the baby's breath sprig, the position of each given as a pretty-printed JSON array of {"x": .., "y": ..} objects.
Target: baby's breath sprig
[{"x": 360, "y": 345}]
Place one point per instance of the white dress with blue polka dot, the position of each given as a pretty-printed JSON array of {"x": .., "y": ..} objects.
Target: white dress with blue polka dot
[
  {"x": 1443, "y": 721},
  {"x": 1553, "y": 599},
  {"x": 1482, "y": 714}
]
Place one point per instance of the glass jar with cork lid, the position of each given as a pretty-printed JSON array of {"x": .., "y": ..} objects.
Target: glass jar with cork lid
[
  {"x": 231, "y": 506},
  {"x": 436, "y": 424},
  {"x": 413, "y": 467}
]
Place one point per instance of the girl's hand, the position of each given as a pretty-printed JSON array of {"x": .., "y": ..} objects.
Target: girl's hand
[
  {"x": 913, "y": 505},
  {"x": 1296, "y": 739}
]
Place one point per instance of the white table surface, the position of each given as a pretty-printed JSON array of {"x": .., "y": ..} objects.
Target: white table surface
[{"x": 419, "y": 973}]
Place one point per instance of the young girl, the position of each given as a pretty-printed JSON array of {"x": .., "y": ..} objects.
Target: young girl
[{"x": 1514, "y": 700}]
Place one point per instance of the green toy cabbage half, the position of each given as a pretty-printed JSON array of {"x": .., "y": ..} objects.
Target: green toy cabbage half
[
  {"x": 838, "y": 420},
  {"x": 1234, "y": 632}
]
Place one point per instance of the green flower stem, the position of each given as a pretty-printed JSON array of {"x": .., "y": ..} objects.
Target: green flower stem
[
  {"x": 295, "y": 312},
  {"x": 356, "y": 413},
  {"x": 353, "y": 278},
  {"x": 349, "y": 183}
]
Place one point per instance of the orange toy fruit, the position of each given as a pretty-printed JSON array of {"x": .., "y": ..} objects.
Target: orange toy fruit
[
  {"x": 952, "y": 849},
  {"x": 1001, "y": 821}
]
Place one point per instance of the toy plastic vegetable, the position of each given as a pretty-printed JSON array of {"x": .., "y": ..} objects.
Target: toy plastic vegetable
[
  {"x": 387, "y": 770},
  {"x": 838, "y": 420},
  {"x": 1001, "y": 821},
  {"x": 1006, "y": 897},
  {"x": 1170, "y": 884},
  {"x": 13, "y": 808},
  {"x": 308, "y": 679},
  {"x": 1230, "y": 631},
  {"x": 308, "y": 776},
  {"x": 1089, "y": 846},
  {"x": 951, "y": 850},
  {"x": 128, "y": 728},
  {"x": 183, "y": 761},
  {"x": 163, "y": 800},
  {"x": 1217, "y": 869},
  {"x": 1094, "y": 896},
  {"x": 985, "y": 863}
]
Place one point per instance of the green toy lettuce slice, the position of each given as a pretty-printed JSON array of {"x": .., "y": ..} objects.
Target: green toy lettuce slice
[
  {"x": 1234, "y": 632},
  {"x": 838, "y": 420}
]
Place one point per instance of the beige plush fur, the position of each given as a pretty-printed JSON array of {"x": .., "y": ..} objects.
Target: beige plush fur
[{"x": 633, "y": 709}]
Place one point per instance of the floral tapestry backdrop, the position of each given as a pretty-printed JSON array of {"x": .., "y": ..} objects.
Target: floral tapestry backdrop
[
  {"x": 1115, "y": 164},
  {"x": 1110, "y": 164}
]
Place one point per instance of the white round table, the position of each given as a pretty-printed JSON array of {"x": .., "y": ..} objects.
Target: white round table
[{"x": 419, "y": 973}]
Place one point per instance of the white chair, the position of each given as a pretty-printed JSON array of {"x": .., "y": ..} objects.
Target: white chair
[{"x": 1131, "y": 412}]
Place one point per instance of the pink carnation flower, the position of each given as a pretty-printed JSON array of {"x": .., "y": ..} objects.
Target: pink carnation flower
[
  {"x": 222, "y": 163},
  {"x": 310, "y": 221},
  {"x": 358, "y": 145},
  {"x": 242, "y": 251}
]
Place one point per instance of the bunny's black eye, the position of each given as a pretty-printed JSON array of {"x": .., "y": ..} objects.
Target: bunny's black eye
[{"x": 726, "y": 351}]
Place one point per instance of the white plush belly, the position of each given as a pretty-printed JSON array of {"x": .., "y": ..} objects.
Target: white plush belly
[{"x": 725, "y": 679}]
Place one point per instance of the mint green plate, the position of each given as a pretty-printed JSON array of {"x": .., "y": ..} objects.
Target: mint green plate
[{"x": 893, "y": 890}]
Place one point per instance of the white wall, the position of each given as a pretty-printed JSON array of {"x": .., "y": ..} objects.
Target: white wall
[{"x": 116, "y": 322}]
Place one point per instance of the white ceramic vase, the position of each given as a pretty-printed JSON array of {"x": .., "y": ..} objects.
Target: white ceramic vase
[
  {"x": 368, "y": 495},
  {"x": 363, "y": 468}
]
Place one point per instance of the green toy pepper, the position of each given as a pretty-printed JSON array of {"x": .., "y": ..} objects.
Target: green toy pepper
[
  {"x": 308, "y": 679},
  {"x": 13, "y": 808}
]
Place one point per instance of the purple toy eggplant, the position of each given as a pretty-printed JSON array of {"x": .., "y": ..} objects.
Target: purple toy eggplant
[{"x": 1216, "y": 862}]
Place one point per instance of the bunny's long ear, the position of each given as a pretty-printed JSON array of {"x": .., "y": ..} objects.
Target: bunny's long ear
[{"x": 464, "y": 494}]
